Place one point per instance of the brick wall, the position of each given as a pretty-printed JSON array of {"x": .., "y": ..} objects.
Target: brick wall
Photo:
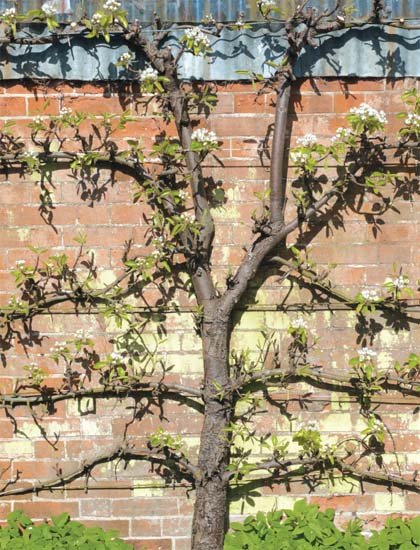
[{"x": 137, "y": 503}]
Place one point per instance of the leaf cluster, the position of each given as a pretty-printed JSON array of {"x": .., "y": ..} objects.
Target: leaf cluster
[
  {"x": 61, "y": 534},
  {"x": 306, "y": 527},
  {"x": 303, "y": 528}
]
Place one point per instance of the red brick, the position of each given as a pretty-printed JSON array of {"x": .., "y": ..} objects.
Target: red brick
[
  {"x": 251, "y": 125},
  {"x": 151, "y": 544},
  {"x": 248, "y": 103},
  {"x": 42, "y": 105},
  {"x": 12, "y": 106},
  {"x": 119, "y": 525},
  {"x": 96, "y": 105},
  {"x": 149, "y": 527},
  {"x": 312, "y": 103},
  {"x": 40, "y": 509},
  {"x": 137, "y": 507},
  {"x": 344, "y": 102}
]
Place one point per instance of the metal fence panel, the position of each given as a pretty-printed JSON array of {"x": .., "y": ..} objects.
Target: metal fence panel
[{"x": 195, "y": 10}]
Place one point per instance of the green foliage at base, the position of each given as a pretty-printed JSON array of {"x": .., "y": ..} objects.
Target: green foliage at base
[
  {"x": 61, "y": 534},
  {"x": 306, "y": 528}
]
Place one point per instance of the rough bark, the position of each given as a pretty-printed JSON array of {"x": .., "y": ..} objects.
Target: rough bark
[{"x": 212, "y": 486}]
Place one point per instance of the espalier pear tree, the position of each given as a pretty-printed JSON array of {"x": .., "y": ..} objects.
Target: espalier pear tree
[{"x": 169, "y": 180}]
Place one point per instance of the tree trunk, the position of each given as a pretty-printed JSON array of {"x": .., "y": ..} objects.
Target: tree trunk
[{"x": 211, "y": 489}]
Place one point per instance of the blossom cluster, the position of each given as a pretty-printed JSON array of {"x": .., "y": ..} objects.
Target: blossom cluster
[
  {"x": 126, "y": 58},
  {"x": 299, "y": 158},
  {"x": 367, "y": 113},
  {"x": 413, "y": 121},
  {"x": 96, "y": 18},
  {"x": 370, "y": 295},
  {"x": 15, "y": 302},
  {"x": 398, "y": 282},
  {"x": 341, "y": 134},
  {"x": 183, "y": 195},
  {"x": 300, "y": 323},
  {"x": 159, "y": 240},
  {"x": 267, "y": 3},
  {"x": 366, "y": 354},
  {"x": 377, "y": 425},
  {"x": 10, "y": 13},
  {"x": 116, "y": 358},
  {"x": 306, "y": 141},
  {"x": 112, "y": 5},
  {"x": 64, "y": 111},
  {"x": 50, "y": 8},
  {"x": 311, "y": 426},
  {"x": 186, "y": 218},
  {"x": 20, "y": 264},
  {"x": 148, "y": 75},
  {"x": 205, "y": 137},
  {"x": 197, "y": 37},
  {"x": 58, "y": 347},
  {"x": 157, "y": 254},
  {"x": 209, "y": 19}
]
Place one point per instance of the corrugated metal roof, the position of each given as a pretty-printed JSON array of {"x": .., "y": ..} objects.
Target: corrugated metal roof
[
  {"x": 194, "y": 10},
  {"x": 375, "y": 52}
]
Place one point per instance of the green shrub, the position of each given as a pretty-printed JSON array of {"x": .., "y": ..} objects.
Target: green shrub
[
  {"x": 306, "y": 528},
  {"x": 61, "y": 534}
]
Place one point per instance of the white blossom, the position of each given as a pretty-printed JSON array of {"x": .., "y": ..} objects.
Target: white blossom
[
  {"x": 148, "y": 75},
  {"x": 299, "y": 323},
  {"x": 366, "y": 112},
  {"x": 370, "y": 295},
  {"x": 186, "y": 218},
  {"x": 413, "y": 121},
  {"x": 310, "y": 426},
  {"x": 306, "y": 141},
  {"x": 20, "y": 264},
  {"x": 96, "y": 18},
  {"x": 267, "y": 3},
  {"x": 65, "y": 111},
  {"x": 112, "y": 6},
  {"x": 209, "y": 19},
  {"x": 398, "y": 282},
  {"x": 299, "y": 158},
  {"x": 15, "y": 302},
  {"x": 183, "y": 195},
  {"x": 126, "y": 58},
  {"x": 341, "y": 134},
  {"x": 204, "y": 136},
  {"x": 378, "y": 425},
  {"x": 116, "y": 358},
  {"x": 199, "y": 39},
  {"x": 366, "y": 354},
  {"x": 58, "y": 347},
  {"x": 10, "y": 13},
  {"x": 50, "y": 8}
]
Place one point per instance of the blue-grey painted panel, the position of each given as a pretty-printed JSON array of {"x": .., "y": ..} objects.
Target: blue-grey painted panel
[
  {"x": 374, "y": 52},
  {"x": 194, "y": 10}
]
